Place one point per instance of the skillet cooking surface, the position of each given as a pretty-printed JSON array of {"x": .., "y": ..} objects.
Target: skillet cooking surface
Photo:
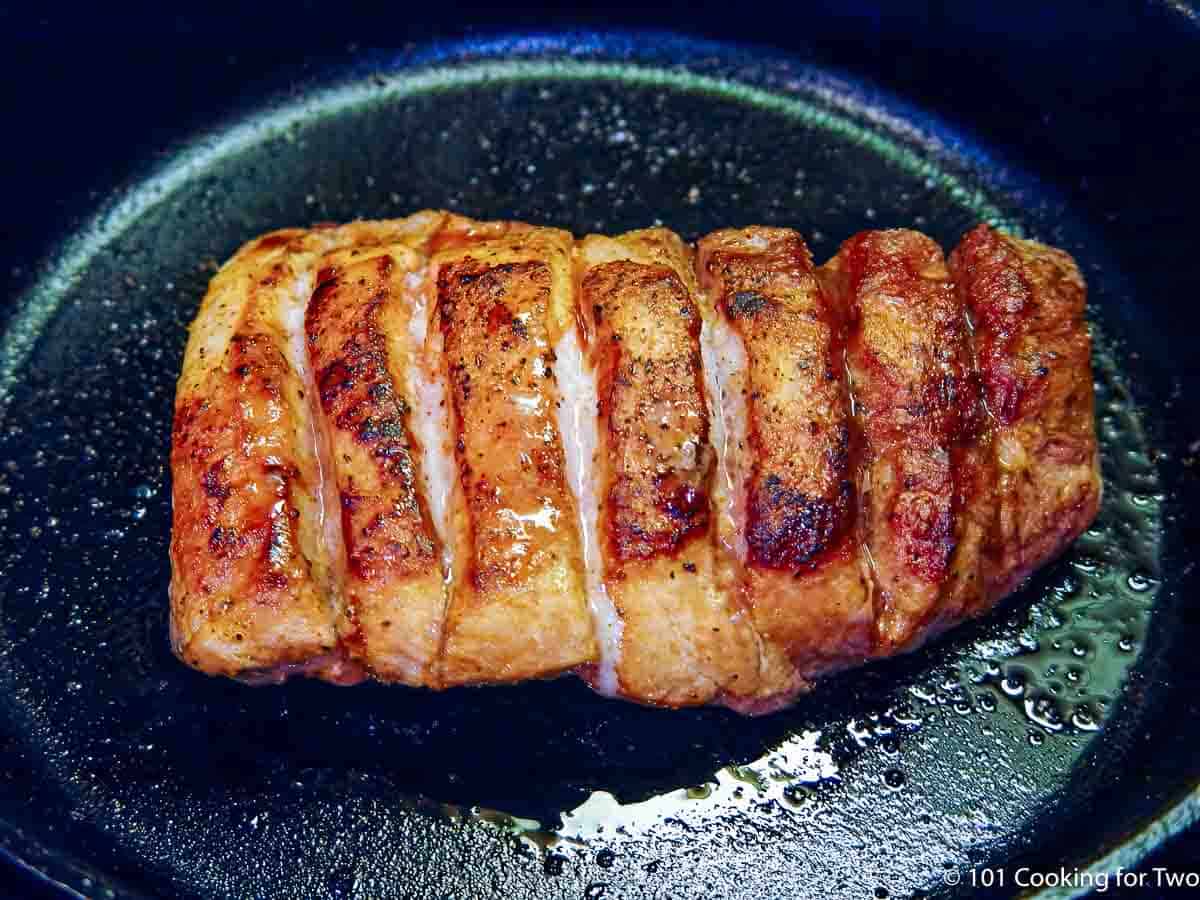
[{"x": 126, "y": 772}]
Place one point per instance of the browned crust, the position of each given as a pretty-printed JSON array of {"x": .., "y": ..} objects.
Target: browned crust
[
  {"x": 246, "y": 590},
  {"x": 917, "y": 410},
  {"x": 685, "y": 640},
  {"x": 1027, "y": 303},
  {"x": 487, "y": 316},
  {"x": 803, "y": 575},
  {"x": 801, "y": 493},
  {"x": 650, "y": 389},
  {"x": 244, "y": 593},
  {"x": 387, "y": 530},
  {"x": 392, "y": 606},
  {"x": 245, "y": 423},
  {"x": 518, "y": 608},
  {"x": 972, "y": 459}
]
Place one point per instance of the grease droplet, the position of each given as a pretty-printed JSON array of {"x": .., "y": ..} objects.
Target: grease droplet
[{"x": 1139, "y": 581}]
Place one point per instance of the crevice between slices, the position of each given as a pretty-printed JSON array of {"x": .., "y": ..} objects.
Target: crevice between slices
[
  {"x": 723, "y": 357},
  {"x": 578, "y": 418},
  {"x": 430, "y": 423},
  {"x": 291, "y": 319}
]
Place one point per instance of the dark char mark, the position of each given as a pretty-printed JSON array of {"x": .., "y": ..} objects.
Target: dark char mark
[
  {"x": 789, "y": 529},
  {"x": 745, "y": 304}
]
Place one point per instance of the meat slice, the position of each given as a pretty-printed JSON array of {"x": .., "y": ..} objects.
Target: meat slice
[
  {"x": 251, "y": 573},
  {"x": 917, "y": 404},
  {"x": 255, "y": 559},
  {"x": 1027, "y": 301},
  {"x": 778, "y": 352},
  {"x": 684, "y": 639},
  {"x": 359, "y": 338},
  {"x": 518, "y": 606}
]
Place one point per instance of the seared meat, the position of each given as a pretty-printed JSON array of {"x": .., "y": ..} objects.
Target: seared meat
[
  {"x": 359, "y": 341},
  {"x": 256, "y": 559},
  {"x": 917, "y": 409},
  {"x": 250, "y": 568},
  {"x": 518, "y": 607},
  {"x": 1027, "y": 303},
  {"x": 802, "y": 570},
  {"x": 683, "y": 639},
  {"x": 439, "y": 451}
]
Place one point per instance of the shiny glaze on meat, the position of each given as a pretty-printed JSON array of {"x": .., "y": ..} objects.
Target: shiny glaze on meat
[
  {"x": 803, "y": 575},
  {"x": 392, "y": 603},
  {"x": 684, "y": 640},
  {"x": 250, "y": 575},
  {"x": 440, "y": 451},
  {"x": 518, "y": 607}
]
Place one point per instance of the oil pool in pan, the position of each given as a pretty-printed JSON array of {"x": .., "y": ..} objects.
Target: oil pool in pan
[{"x": 192, "y": 783}]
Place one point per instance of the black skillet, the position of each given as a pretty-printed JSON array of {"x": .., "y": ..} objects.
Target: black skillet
[{"x": 1057, "y": 732}]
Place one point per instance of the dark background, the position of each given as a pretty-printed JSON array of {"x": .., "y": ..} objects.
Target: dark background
[{"x": 1101, "y": 98}]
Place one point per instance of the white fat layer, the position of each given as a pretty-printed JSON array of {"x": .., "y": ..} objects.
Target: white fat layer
[
  {"x": 724, "y": 358},
  {"x": 578, "y": 425},
  {"x": 329, "y": 521},
  {"x": 430, "y": 420}
]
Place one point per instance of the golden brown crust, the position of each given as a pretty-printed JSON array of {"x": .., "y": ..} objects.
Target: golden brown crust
[
  {"x": 647, "y": 356},
  {"x": 245, "y": 404},
  {"x": 1027, "y": 303},
  {"x": 488, "y": 315},
  {"x": 248, "y": 590},
  {"x": 803, "y": 574},
  {"x": 741, "y": 496},
  {"x": 801, "y": 493},
  {"x": 236, "y": 518},
  {"x": 684, "y": 641},
  {"x": 356, "y": 326},
  {"x": 517, "y": 607},
  {"x": 917, "y": 408}
]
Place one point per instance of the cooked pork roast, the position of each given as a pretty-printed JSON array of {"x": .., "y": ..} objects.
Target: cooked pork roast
[{"x": 436, "y": 451}]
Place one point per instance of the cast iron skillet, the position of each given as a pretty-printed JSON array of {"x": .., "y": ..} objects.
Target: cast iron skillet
[{"x": 1057, "y": 731}]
